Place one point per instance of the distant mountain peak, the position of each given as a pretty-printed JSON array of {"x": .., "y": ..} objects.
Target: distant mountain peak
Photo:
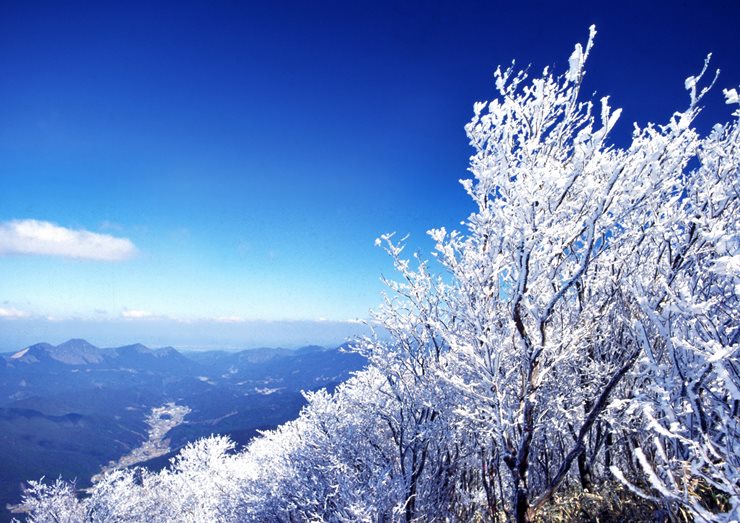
[
  {"x": 32, "y": 354},
  {"x": 76, "y": 352},
  {"x": 76, "y": 342},
  {"x": 310, "y": 348},
  {"x": 136, "y": 347}
]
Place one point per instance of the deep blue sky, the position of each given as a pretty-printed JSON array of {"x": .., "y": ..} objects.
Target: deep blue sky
[{"x": 252, "y": 151}]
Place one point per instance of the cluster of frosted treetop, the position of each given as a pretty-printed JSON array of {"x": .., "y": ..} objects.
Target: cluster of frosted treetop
[{"x": 581, "y": 333}]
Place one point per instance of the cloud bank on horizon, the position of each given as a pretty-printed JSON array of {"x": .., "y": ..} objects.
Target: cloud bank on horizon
[
  {"x": 42, "y": 238},
  {"x": 136, "y": 314},
  {"x": 12, "y": 313}
]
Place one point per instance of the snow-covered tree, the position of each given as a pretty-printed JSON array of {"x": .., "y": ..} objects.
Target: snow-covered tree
[
  {"x": 592, "y": 299},
  {"x": 584, "y": 330}
]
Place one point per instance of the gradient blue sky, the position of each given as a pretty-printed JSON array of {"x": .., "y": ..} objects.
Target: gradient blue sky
[{"x": 253, "y": 151}]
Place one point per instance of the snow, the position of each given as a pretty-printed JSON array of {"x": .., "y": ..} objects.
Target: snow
[
  {"x": 731, "y": 96},
  {"x": 19, "y": 354}
]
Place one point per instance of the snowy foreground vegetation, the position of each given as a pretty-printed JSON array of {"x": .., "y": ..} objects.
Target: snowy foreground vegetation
[{"x": 582, "y": 340}]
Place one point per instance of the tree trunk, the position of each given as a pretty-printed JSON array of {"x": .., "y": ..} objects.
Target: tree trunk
[
  {"x": 521, "y": 507},
  {"x": 584, "y": 472}
]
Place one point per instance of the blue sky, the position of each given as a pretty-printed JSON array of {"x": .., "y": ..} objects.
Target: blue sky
[{"x": 236, "y": 160}]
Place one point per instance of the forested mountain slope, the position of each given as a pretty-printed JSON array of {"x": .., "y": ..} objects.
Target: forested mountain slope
[{"x": 70, "y": 409}]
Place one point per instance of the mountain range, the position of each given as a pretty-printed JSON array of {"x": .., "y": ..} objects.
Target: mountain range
[{"x": 72, "y": 408}]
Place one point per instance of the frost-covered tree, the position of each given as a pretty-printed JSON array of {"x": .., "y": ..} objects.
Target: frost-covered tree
[
  {"x": 589, "y": 320},
  {"x": 202, "y": 483},
  {"x": 583, "y": 331}
]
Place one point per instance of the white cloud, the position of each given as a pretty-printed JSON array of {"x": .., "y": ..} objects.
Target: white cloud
[
  {"x": 45, "y": 238},
  {"x": 136, "y": 315},
  {"x": 13, "y": 313},
  {"x": 228, "y": 319}
]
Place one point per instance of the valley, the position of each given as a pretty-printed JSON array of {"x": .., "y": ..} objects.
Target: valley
[
  {"x": 161, "y": 420},
  {"x": 74, "y": 409}
]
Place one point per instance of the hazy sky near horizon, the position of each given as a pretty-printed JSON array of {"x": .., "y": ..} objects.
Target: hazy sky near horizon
[{"x": 231, "y": 163}]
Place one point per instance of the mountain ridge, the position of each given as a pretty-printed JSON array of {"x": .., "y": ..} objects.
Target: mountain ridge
[{"x": 72, "y": 408}]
